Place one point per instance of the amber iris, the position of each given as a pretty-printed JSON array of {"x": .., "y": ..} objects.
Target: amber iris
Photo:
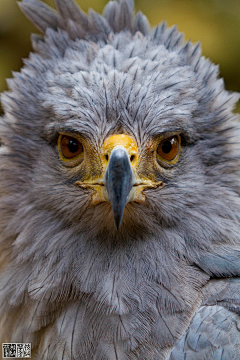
[
  {"x": 70, "y": 147},
  {"x": 168, "y": 148}
]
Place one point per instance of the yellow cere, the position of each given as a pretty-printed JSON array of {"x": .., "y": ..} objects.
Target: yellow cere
[{"x": 121, "y": 140}]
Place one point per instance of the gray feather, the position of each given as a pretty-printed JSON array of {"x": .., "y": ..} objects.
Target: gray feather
[
  {"x": 119, "y": 15},
  {"x": 40, "y": 14},
  {"x": 100, "y": 25},
  {"x": 71, "y": 10},
  {"x": 75, "y": 30},
  {"x": 141, "y": 23},
  {"x": 213, "y": 335}
]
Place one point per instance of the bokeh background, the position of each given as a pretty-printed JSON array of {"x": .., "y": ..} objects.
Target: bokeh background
[{"x": 216, "y": 23}]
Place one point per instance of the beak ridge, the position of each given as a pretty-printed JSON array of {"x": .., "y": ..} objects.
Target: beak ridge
[{"x": 118, "y": 182}]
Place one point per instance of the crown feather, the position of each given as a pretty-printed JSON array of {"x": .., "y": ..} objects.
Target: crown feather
[
  {"x": 141, "y": 23},
  {"x": 41, "y": 15},
  {"x": 70, "y": 10},
  {"x": 117, "y": 16}
]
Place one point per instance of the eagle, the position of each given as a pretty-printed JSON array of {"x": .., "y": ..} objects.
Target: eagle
[{"x": 119, "y": 193}]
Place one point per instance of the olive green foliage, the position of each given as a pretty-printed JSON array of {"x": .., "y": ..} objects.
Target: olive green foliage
[{"x": 216, "y": 23}]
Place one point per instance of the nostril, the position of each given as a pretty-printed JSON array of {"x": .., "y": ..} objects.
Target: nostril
[
  {"x": 132, "y": 158},
  {"x": 106, "y": 157}
]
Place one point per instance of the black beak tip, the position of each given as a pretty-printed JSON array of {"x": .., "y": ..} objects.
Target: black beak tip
[{"x": 118, "y": 221}]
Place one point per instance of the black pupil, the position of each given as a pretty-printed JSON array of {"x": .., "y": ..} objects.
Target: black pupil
[
  {"x": 73, "y": 146},
  {"x": 166, "y": 146}
]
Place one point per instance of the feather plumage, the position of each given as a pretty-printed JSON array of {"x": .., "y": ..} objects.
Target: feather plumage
[{"x": 93, "y": 292}]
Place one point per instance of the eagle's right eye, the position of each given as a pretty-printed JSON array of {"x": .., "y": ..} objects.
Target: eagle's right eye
[{"x": 69, "y": 147}]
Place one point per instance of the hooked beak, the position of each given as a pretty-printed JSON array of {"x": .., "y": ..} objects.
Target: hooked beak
[
  {"x": 119, "y": 179},
  {"x": 119, "y": 182}
]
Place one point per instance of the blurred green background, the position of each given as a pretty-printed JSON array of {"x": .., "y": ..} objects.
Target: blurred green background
[{"x": 216, "y": 23}]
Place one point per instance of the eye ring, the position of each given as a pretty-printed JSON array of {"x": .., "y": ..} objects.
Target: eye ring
[
  {"x": 69, "y": 147},
  {"x": 169, "y": 148}
]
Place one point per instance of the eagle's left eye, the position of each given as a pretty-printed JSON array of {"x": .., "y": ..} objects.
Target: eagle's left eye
[
  {"x": 168, "y": 149},
  {"x": 70, "y": 147}
]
